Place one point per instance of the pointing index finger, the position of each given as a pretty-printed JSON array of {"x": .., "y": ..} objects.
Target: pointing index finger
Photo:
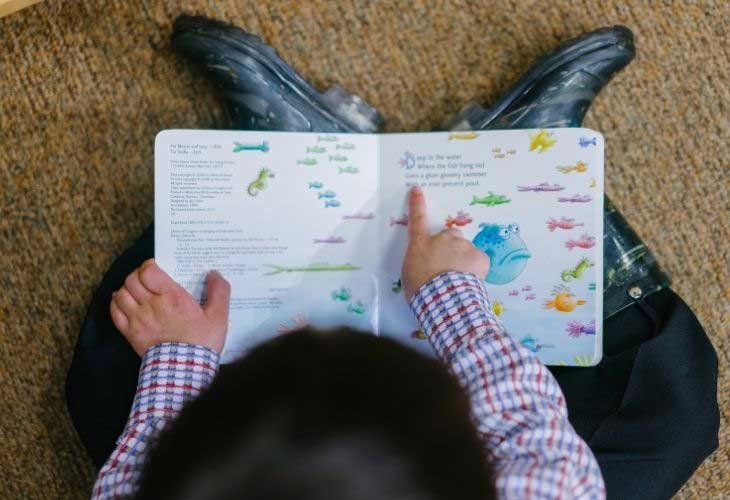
[{"x": 417, "y": 219}]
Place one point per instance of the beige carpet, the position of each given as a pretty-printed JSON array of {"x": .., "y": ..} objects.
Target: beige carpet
[{"x": 85, "y": 85}]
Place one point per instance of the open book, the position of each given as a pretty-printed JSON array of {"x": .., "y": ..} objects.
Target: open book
[{"x": 310, "y": 228}]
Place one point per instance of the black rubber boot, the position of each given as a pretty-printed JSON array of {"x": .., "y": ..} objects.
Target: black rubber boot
[
  {"x": 556, "y": 92},
  {"x": 261, "y": 91}
]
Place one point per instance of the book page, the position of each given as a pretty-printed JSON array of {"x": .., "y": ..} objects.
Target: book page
[
  {"x": 287, "y": 218},
  {"x": 533, "y": 201}
]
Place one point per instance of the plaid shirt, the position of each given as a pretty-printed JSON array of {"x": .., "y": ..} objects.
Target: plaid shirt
[{"x": 517, "y": 405}]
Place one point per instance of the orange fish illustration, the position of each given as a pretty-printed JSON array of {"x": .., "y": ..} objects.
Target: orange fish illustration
[{"x": 563, "y": 300}]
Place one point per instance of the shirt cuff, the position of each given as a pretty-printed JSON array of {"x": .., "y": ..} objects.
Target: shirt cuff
[
  {"x": 172, "y": 373},
  {"x": 453, "y": 308}
]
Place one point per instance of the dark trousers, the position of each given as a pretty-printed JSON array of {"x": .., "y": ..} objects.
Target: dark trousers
[{"x": 648, "y": 411}]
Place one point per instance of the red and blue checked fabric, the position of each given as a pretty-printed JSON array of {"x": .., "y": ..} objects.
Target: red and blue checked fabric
[
  {"x": 171, "y": 375},
  {"x": 517, "y": 404}
]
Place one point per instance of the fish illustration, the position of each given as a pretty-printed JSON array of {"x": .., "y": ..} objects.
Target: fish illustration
[
  {"x": 490, "y": 200},
  {"x": 338, "y": 157},
  {"x": 543, "y": 187},
  {"x": 575, "y": 273},
  {"x": 563, "y": 300},
  {"x": 356, "y": 308},
  {"x": 541, "y": 141},
  {"x": 262, "y": 146},
  {"x": 562, "y": 223},
  {"x": 496, "y": 150},
  {"x": 576, "y": 198},
  {"x": 300, "y": 321},
  {"x": 513, "y": 293},
  {"x": 259, "y": 184},
  {"x": 511, "y": 151},
  {"x": 329, "y": 239},
  {"x": 397, "y": 286},
  {"x": 326, "y": 194},
  {"x": 499, "y": 155},
  {"x": 593, "y": 183},
  {"x": 348, "y": 170},
  {"x": 402, "y": 221},
  {"x": 530, "y": 343},
  {"x": 326, "y": 138},
  {"x": 526, "y": 288},
  {"x": 408, "y": 161},
  {"x": 316, "y": 149},
  {"x": 342, "y": 294},
  {"x": 359, "y": 216},
  {"x": 418, "y": 335},
  {"x": 576, "y": 329},
  {"x": 592, "y": 286},
  {"x": 584, "y": 142},
  {"x": 578, "y": 168},
  {"x": 307, "y": 161},
  {"x": 463, "y": 136},
  {"x": 530, "y": 296},
  {"x": 317, "y": 267},
  {"x": 498, "y": 308},
  {"x": 461, "y": 219},
  {"x": 507, "y": 251},
  {"x": 345, "y": 145},
  {"x": 316, "y": 185},
  {"x": 331, "y": 203},
  {"x": 585, "y": 241}
]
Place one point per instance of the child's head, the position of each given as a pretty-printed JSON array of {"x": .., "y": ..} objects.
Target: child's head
[{"x": 313, "y": 415}]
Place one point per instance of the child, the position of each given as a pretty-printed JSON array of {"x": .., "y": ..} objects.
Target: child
[{"x": 343, "y": 415}]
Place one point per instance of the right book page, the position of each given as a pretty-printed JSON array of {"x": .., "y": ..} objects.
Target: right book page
[{"x": 530, "y": 199}]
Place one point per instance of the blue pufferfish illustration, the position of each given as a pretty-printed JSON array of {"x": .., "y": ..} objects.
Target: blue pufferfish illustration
[{"x": 507, "y": 252}]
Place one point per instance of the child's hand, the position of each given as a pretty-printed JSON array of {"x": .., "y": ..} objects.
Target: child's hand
[
  {"x": 151, "y": 308},
  {"x": 428, "y": 256}
]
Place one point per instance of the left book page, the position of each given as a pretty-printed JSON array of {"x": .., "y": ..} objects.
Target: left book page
[{"x": 287, "y": 218}]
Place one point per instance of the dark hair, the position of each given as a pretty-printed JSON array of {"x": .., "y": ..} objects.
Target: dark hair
[{"x": 319, "y": 415}]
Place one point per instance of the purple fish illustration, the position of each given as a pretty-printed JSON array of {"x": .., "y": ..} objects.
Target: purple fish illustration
[
  {"x": 527, "y": 288},
  {"x": 575, "y": 328},
  {"x": 330, "y": 239},
  {"x": 400, "y": 221},
  {"x": 576, "y": 198},
  {"x": 513, "y": 293},
  {"x": 530, "y": 296},
  {"x": 584, "y": 142},
  {"x": 543, "y": 187},
  {"x": 359, "y": 216}
]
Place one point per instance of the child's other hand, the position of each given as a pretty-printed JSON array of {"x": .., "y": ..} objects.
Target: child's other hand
[
  {"x": 152, "y": 308},
  {"x": 428, "y": 256}
]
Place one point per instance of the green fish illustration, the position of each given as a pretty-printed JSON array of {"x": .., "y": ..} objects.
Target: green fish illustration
[
  {"x": 575, "y": 273},
  {"x": 356, "y": 308},
  {"x": 307, "y": 161},
  {"x": 345, "y": 145},
  {"x": 262, "y": 146},
  {"x": 592, "y": 286},
  {"x": 343, "y": 294},
  {"x": 316, "y": 149},
  {"x": 338, "y": 158},
  {"x": 259, "y": 184},
  {"x": 348, "y": 170},
  {"x": 326, "y": 138},
  {"x": 490, "y": 200},
  {"x": 584, "y": 360},
  {"x": 317, "y": 267}
]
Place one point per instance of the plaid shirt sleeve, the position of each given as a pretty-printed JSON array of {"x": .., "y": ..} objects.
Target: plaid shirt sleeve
[
  {"x": 171, "y": 374},
  {"x": 517, "y": 404}
]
